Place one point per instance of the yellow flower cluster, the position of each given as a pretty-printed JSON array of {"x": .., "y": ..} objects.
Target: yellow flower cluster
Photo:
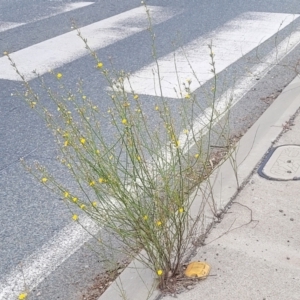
[{"x": 22, "y": 296}]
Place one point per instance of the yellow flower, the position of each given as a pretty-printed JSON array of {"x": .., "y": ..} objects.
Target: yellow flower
[
  {"x": 177, "y": 143},
  {"x": 58, "y": 75},
  {"x": 158, "y": 223},
  {"x": 75, "y": 217},
  {"x": 135, "y": 97},
  {"x": 185, "y": 131},
  {"x": 159, "y": 272},
  {"x": 5, "y": 53},
  {"x": 74, "y": 199},
  {"x": 92, "y": 183},
  {"x": 156, "y": 107},
  {"x": 82, "y": 206},
  {"x": 100, "y": 65},
  {"x": 66, "y": 194},
  {"x": 83, "y": 97},
  {"x": 82, "y": 140},
  {"x": 94, "y": 204},
  {"x": 124, "y": 121},
  {"x": 187, "y": 96},
  {"x": 66, "y": 143},
  {"x": 196, "y": 155},
  {"x": 32, "y": 104},
  {"x": 138, "y": 158},
  {"x": 101, "y": 180},
  {"x": 44, "y": 179},
  {"x": 145, "y": 217},
  {"x": 181, "y": 210},
  {"x": 22, "y": 296},
  {"x": 98, "y": 151}
]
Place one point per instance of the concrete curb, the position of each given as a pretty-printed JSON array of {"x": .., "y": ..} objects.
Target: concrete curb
[{"x": 136, "y": 281}]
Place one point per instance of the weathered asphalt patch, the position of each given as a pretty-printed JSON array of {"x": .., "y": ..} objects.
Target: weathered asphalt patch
[{"x": 283, "y": 163}]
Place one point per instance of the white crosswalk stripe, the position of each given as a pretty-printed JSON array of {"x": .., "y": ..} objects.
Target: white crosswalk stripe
[
  {"x": 40, "y": 264},
  {"x": 59, "y": 10},
  {"x": 56, "y": 52},
  {"x": 230, "y": 42},
  {"x": 244, "y": 84},
  {"x": 8, "y": 25}
]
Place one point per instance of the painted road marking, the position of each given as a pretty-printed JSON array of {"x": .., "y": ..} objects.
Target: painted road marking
[
  {"x": 230, "y": 42},
  {"x": 8, "y": 25},
  {"x": 59, "y": 10},
  {"x": 43, "y": 262},
  {"x": 233, "y": 95},
  {"x": 56, "y": 52}
]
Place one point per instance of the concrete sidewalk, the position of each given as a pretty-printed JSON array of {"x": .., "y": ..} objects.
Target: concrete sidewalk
[{"x": 254, "y": 253}]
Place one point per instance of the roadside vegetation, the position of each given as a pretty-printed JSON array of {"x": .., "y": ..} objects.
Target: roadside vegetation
[{"x": 140, "y": 183}]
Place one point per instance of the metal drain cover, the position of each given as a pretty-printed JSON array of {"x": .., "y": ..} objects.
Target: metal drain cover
[{"x": 283, "y": 163}]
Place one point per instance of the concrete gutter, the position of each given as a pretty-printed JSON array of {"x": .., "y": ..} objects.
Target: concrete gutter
[{"x": 136, "y": 283}]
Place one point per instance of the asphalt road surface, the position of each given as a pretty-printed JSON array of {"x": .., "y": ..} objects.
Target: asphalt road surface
[{"x": 256, "y": 45}]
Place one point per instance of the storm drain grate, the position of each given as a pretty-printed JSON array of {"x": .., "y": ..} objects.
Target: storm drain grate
[{"x": 283, "y": 163}]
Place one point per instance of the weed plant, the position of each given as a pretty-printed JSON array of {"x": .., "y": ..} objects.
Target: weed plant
[{"x": 138, "y": 183}]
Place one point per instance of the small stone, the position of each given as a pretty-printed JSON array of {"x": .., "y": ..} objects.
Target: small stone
[{"x": 292, "y": 219}]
